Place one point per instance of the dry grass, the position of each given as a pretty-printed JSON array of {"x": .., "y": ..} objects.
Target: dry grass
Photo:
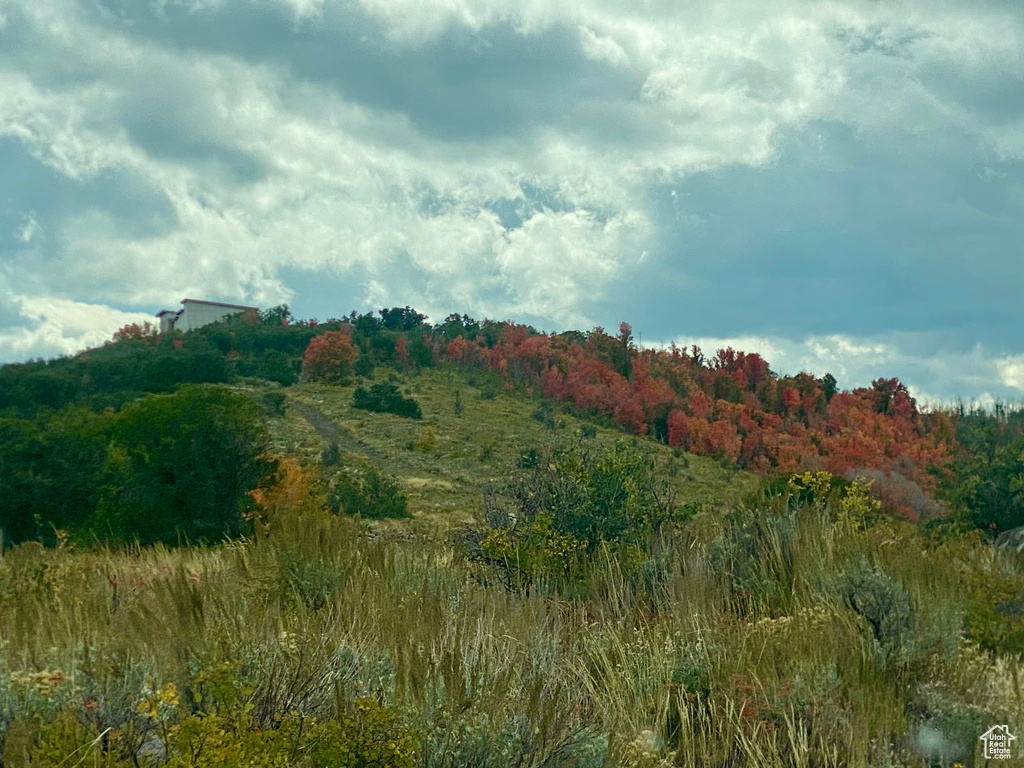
[
  {"x": 758, "y": 635},
  {"x": 743, "y": 651}
]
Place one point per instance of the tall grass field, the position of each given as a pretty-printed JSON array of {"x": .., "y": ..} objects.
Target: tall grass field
[{"x": 795, "y": 626}]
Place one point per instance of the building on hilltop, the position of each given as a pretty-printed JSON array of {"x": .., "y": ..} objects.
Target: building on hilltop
[{"x": 196, "y": 313}]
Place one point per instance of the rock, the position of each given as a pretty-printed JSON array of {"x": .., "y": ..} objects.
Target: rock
[{"x": 153, "y": 747}]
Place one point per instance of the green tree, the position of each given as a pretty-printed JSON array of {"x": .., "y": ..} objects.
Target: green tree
[
  {"x": 274, "y": 365},
  {"x": 75, "y": 444},
  {"x": 183, "y": 466},
  {"x": 372, "y": 495},
  {"x": 420, "y": 353},
  {"x": 401, "y": 318},
  {"x": 21, "y": 458},
  {"x": 990, "y": 487},
  {"x": 49, "y": 472}
]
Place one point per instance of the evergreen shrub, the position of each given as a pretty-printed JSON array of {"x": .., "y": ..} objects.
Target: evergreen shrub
[{"x": 386, "y": 398}]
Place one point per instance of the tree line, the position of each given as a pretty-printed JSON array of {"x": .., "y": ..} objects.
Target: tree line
[{"x": 731, "y": 405}]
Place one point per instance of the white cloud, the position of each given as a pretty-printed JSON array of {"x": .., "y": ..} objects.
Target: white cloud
[
  {"x": 350, "y": 188},
  {"x": 856, "y": 362},
  {"x": 28, "y": 230},
  {"x": 54, "y": 327},
  {"x": 333, "y": 200},
  {"x": 53, "y": 126},
  {"x": 602, "y": 47},
  {"x": 1011, "y": 371},
  {"x": 553, "y": 261}
]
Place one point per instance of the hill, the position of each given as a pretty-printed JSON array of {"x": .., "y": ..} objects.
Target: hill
[
  {"x": 584, "y": 621},
  {"x": 445, "y": 459},
  {"x": 730, "y": 407}
]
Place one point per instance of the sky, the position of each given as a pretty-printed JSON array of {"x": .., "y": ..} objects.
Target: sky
[{"x": 836, "y": 184}]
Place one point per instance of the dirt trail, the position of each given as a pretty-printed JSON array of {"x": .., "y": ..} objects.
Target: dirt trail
[
  {"x": 346, "y": 441},
  {"x": 329, "y": 431}
]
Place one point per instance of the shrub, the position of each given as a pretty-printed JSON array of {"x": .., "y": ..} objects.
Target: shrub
[
  {"x": 899, "y": 494},
  {"x": 568, "y": 500},
  {"x": 274, "y": 403},
  {"x": 364, "y": 734},
  {"x": 885, "y": 606},
  {"x": 427, "y": 441},
  {"x": 545, "y": 414},
  {"x": 988, "y": 487},
  {"x": 331, "y": 455},
  {"x": 385, "y": 398},
  {"x": 758, "y": 552},
  {"x": 805, "y": 488},
  {"x": 363, "y": 366},
  {"x": 50, "y": 472},
  {"x": 489, "y": 383},
  {"x": 995, "y": 614},
  {"x": 372, "y": 495}
]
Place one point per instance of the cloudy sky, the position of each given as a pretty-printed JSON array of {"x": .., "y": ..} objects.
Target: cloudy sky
[{"x": 836, "y": 184}]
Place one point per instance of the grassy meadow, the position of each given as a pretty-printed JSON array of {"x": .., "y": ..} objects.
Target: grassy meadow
[{"x": 789, "y": 629}]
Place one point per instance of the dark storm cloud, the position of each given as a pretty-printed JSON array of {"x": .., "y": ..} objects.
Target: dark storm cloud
[
  {"x": 845, "y": 234},
  {"x": 460, "y": 85}
]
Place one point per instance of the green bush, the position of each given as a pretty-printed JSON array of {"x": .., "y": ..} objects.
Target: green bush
[
  {"x": 275, "y": 403},
  {"x": 385, "y": 398},
  {"x": 545, "y": 414},
  {"x": 757, "y": 551},
  {"x": 50, "y": 471},
  {"x": 165, "y": 467},
  {"x": 489, "y": 383},
  {"x": 372, "y": 495},
  {"x": 363, "y": 735},
  {"x": 563, "y": 503},
  {"x": 363, "y": 366},
  {"x": 331, "y": 455}
]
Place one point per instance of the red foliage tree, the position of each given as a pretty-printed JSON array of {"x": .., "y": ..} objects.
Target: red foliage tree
[
  {"x": 134, "y": 331},
  {"x": 402, "y": 352},
  {"x": 629, "y": 414},
  {"x": 329, "y": 357},
  {"x": 731, "y": 406},
  {"x": 677, "y": 427}
]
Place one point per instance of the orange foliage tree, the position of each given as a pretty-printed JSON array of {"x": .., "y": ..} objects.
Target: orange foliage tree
[{"x": 329, "y": 357}]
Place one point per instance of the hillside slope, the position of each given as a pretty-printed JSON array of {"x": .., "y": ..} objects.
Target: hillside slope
[{"x": 444, "y": 460}]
